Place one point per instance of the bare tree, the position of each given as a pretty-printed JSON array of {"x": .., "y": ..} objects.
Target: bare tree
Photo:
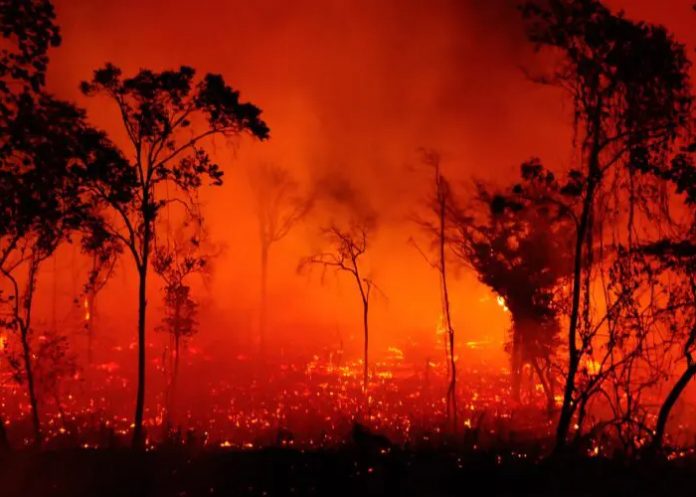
[
  {"x": 348, "y": 246},
  {"x": 438, "y": 227},
  {"x": 279, "y": 206}
]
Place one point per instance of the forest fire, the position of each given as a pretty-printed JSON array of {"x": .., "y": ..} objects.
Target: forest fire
[{"x": 347, "y": 248}]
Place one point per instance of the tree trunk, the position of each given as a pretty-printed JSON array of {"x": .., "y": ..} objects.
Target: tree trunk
[
  {"x": 138, "y": 440},
  {"x": 452, "y": 387},
  {"x": 568, "y": 408},
  {"x": 36, "y": 424},
  {"x": 667, "y": 406},
  {"x": 263, "y": 299},
  {"x": 365, "y": 344},
  {"x": 175, "y": 375}
]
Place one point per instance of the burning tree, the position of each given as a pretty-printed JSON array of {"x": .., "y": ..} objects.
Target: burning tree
[
  {"x": 167, "y": 117},
  {"x": 629, "y": 85},
  {"x": 518, "y": 243},
  {"x": 279, "y": 206},
  {"x": 348, "y": 246}
]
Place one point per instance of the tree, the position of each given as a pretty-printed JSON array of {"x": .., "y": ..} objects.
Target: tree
[
  {"x": 440, "y": 207},
  {"x": 48, "y": 154},
  {"x": 279, "y": 206},
  {"x": 103, "y": 264},
  {"x": 348, "y": 246},
  {"x": 167, "y": 117},
  {"x": 29, "y": 30},
  {"x": 676, "y": 256},
  {"x": 518, "y": 241},
  {"x": 629, "y": 85},
  {"x": 175, "y": 261}
]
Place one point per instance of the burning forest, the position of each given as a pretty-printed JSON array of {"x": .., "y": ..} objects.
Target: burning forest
[{"x": 347, "y": 248}]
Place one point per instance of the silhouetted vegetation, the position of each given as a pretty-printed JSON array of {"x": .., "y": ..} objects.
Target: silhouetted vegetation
[
  {"x": 593, "y": 262},
  {"x": 348, "y": 246},
  {"x": 279, "y": 206},
  {"x": 519, "y": 242},
  {"x": 168, "y": 117}
]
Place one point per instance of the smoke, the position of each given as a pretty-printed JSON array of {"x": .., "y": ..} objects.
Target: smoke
[{"x": 351, "y": 91}]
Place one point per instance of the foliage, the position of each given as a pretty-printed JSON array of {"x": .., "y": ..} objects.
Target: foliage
[{"x": 519, "y": 242}]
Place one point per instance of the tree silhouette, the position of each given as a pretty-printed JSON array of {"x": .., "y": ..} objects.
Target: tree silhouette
[
  {"x": 676, "y": 255},
  {"x": 53, "y": 158},
  {"x": 167, "y": 118},
  {"x": 29, "y": 30},
  {"x": 518, "y": 243},
  {"x": 438, "y": 227},
  {"x": 348, "y": 246},
  {"x": 629, "y": 85},
  {"x": 48, "y": 157},
  {"x": 175, "y": 261},
  {"x": 279, "y": 206},
  {"x": 103, "y": 263}
]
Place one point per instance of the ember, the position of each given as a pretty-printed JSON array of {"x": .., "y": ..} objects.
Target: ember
[{"x": 362, "y": 230}]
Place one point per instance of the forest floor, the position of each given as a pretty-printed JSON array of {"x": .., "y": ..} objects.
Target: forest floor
[{"x": 348, "y": 471}]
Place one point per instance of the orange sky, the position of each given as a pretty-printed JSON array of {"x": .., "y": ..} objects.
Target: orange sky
[{"x": 349, "y": 89}]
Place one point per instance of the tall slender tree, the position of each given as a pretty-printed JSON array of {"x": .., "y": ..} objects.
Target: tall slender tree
[
  {"x": 347, "y": 248},
  {"x": 168, "y": 117},
  {"x": 183, "y": 255},
  {"x": 279, "y": 206},
  {"x": 438, "y": 226}
]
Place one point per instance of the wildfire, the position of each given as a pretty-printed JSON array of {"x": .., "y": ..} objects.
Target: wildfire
[
  {"x": 501, "y": 303},
  {"x": 593, "y": 367},
  {"x": 88, "y": 314},
  {"x": 440, "y": 328}
]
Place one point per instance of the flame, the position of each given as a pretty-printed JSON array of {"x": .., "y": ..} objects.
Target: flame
[
  {"x": 501, "y": 302},
  {"x": 88, "y": 314},
  {"x": 3, "y": 342},
  {"x": 396, "y": 353},
  {"x": 440, "y": 328},
  {"x": 593, "y": 367}
]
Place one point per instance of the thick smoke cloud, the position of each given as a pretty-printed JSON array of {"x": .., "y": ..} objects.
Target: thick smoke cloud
[{"x": 351, "y": 90}]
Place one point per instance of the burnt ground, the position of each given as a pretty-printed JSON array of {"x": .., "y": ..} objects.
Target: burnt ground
[{"x": 347, "y": 471}]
